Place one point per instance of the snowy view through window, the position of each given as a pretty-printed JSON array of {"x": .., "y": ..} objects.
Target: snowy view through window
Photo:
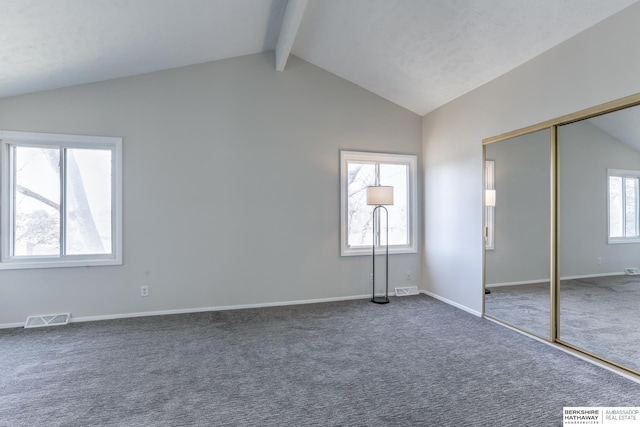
[
  {"x": 360, "y": 228},
  {"x": 623, "y": 206},
  {"x": 54, "y": 216}
]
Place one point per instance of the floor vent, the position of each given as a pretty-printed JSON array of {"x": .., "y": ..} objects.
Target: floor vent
[
  {"x": 407, "y": 290},
  {"x": 48, "y": 320}
]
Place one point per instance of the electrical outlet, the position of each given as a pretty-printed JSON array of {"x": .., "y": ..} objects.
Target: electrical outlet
[
  {"x": 599, "y": 260},
  {"x": 144, "y": 291},
  {"x": 407, "y": 275},
  {"x": 370, "y": 277}
]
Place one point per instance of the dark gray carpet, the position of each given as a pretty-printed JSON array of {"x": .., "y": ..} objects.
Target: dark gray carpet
[
  {"x": 413, "y": 362},
  {"x": 598, "y": 314},
  {"x": 525, "y": 306},
  {"x": 605, "y": 319}
]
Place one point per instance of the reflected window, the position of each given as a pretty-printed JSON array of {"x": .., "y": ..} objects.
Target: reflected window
[
  {"x": 489, "y": 203},
  {"x": 623, "y": 210}
]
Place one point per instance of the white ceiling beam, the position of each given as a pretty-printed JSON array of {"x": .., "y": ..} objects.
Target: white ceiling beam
[{"x": 290, "y": 24}]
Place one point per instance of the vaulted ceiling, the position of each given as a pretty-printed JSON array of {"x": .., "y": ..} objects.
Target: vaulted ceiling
[{"x": 419, "y": 54}]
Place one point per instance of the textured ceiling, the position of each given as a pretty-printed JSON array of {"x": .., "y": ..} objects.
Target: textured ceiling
[
  {"x": 47, "y": 44},
  {"x": 419, "y": 54},
  {"x": 422, "y": 54}
]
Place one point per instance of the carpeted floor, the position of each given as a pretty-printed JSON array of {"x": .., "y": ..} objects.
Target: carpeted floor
[
  {"x": 598, "y": 314},
  {"x": 525, "y": 306},
  {"x": 413, "y": 362}
]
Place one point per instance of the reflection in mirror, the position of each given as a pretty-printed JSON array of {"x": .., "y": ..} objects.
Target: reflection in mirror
[
  {"x": 517, "y": 271},
  {"x": 600, "y": 236}
]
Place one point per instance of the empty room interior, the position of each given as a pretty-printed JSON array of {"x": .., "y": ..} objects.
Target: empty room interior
[{"x": 318, "y": 212}]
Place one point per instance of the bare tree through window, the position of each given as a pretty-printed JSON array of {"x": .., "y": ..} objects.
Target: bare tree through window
[{"x": 38, "y": 211}]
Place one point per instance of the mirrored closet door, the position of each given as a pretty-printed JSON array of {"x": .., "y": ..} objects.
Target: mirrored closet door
[
  {"x": 562, "y": 231},
  {"x": 517, "y": 249},
  {"x": 599, "y": 188}
]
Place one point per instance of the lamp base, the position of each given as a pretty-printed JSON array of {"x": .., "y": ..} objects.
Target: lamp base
[{"x": 380, "y": 300}]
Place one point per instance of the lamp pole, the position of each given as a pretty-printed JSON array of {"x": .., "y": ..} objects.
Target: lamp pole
[{"x": 385, "y": 299}]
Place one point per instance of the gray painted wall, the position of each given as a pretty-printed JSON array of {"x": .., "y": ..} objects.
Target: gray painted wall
[
  {"x": 231, "y": 187},
  {"x": 598, "y": 65}
]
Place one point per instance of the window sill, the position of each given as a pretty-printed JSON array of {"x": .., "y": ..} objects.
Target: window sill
[
  {"x": 32, "y": 263},
  {"x": 379, "y": 251},
  {"x": 613, "y": 241}
]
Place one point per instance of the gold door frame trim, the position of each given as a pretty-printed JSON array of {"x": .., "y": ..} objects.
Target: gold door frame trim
[
  {"x": 554, "y": 261},
  {"x": 553, "y": 126}
]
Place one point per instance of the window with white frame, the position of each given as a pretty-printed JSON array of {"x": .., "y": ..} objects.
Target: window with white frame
[
  {"x": 61, "y": 200},
  {"x": 623, "y": 210},
  {"x": 360, "y": 170}
]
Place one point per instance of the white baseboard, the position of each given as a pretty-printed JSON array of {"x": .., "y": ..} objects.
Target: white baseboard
[
  {"x": 11, "y": 325},
  {"x": 235, "y": 307},
  {"x": 455, "y": 304},
  {"x": 196, "y": 310}
]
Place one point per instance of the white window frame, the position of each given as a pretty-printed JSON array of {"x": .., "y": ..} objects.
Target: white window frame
[
  {"x": 49, "y": 140},
  {"x": 623, "y": 173},
  {"x": 373, "y": 157}
]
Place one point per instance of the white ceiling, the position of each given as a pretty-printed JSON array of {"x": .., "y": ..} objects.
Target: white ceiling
[{"x": 419, "y": 54}]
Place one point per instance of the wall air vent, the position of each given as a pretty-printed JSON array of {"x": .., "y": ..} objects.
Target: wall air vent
[{"x": 47, "y": 320}]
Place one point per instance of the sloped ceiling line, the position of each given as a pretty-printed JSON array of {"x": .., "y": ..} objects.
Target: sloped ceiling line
[{"x": 419, "y": 54}]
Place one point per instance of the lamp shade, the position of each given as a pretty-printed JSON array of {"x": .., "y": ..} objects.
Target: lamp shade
[
  {"x": 380, "y": 195},
  {"x": 490, "y": 197}
]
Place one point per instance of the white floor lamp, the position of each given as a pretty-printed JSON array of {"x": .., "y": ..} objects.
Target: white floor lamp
[{"x": 379, "y": 196}]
